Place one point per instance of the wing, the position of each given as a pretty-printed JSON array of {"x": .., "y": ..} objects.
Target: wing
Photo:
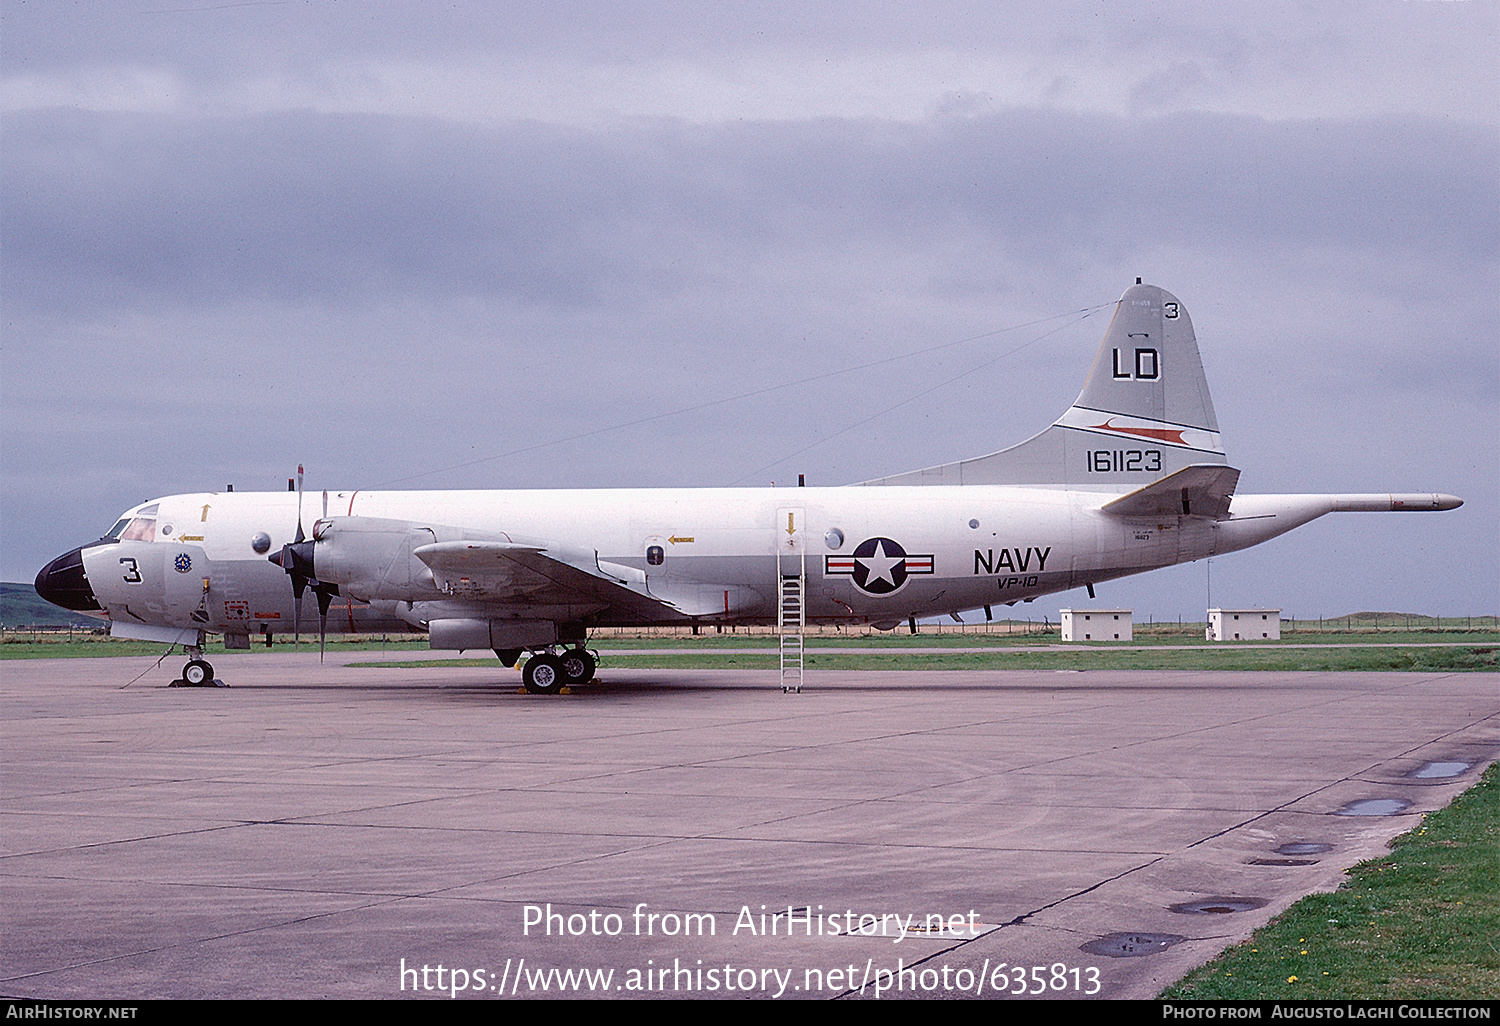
[
  {"x": 538, "y": 575},
  {"x": 512, "y": 572}
]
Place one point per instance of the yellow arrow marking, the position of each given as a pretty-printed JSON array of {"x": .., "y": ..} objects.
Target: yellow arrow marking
[
  {"x": 674, "y": 539},
  {"x": 790, "y": 528},
  {"x": 204, "y": 518}
]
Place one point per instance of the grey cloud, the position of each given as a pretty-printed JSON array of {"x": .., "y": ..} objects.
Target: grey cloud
[{"x": 131, "y": 209}]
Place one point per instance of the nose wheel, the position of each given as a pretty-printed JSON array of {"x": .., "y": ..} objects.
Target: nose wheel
[{"x": 198, "y": 673}]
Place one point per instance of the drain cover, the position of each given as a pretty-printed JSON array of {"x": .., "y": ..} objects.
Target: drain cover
[
  {"x": 1303, "y": 848},
  {"x": 1131, "y": 945},
  {"x": 1218, "y": 906},
  {"x": 1374, "y": 807}
]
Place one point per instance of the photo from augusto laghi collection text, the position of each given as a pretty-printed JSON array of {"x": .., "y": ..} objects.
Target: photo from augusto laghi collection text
[{"x": 508, "y": 975}]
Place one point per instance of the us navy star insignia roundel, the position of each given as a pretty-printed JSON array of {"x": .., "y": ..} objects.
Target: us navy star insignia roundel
[{"x": 878, "y": 566}]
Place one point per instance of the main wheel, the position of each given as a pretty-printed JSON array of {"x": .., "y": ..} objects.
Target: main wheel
[
  {"x": 543, "y": 675},
  {"x": 578, "y": 666},
  {"x": 197, "y": 673}
]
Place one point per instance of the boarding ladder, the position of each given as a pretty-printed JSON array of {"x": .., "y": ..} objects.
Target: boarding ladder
[
  {"x": 791, "y": 621},
  {"x": 791, "y": 594}
]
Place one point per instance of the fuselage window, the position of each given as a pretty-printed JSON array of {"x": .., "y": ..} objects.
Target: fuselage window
[{"x": 655, "y": 555}]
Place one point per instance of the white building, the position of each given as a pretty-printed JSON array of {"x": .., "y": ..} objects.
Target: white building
[
  {"x": 1244, "y": 625},
  {"x": 1096, "y": 625}
]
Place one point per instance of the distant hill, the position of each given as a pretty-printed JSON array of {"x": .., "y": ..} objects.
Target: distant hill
[
  {"x": 1387, "y": 617},
  {"x": 20, "y": 604}
]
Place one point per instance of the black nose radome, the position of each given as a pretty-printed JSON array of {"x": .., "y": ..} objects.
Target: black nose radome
[{"x": 63, "y": 583}]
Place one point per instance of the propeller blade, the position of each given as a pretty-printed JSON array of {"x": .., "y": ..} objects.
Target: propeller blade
[
  {"x": 297, "y": 613},
  {"x": 325, "y": 593},
  {"x": 300, "y": 535}
]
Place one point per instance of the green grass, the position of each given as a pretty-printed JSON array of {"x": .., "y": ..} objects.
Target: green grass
[
  {"x": 83, "y": 643},
  {"x": 1155, "y": 649},
  {"x": 1422, "y": 922},
  {"x": 77, "y": 648}
]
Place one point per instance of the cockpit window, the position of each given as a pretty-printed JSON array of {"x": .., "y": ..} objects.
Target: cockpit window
[
  {"x": 140, "y": 529},
  {"x": 137, "y": 525}
]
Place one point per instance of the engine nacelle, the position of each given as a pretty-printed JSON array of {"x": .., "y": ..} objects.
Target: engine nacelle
[{"x": 372, "y": 558}]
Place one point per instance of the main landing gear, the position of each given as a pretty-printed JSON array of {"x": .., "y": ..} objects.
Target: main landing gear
[
  {"x": 547, "y": 673},
  {"x": 198, "y": 673}
]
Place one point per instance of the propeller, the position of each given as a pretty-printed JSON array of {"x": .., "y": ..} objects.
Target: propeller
[{"x": 296, "y": 558}]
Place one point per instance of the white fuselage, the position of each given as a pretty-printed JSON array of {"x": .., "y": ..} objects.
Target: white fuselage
[{"x": 960, "y": 548}]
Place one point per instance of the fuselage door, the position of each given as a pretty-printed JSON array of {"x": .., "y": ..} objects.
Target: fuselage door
[
  {"x": 658, "y": 566},
  {"x": 791, "y": 534}
]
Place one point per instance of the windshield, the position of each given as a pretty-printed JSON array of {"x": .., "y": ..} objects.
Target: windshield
[
  {"x": 138, "y": 525},
  {"x": 140, "y": 529}
]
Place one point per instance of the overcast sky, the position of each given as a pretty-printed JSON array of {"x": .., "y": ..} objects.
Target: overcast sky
[{"x": 489, "y": 245}]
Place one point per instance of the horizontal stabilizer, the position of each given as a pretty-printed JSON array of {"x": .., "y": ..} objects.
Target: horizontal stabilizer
[{"x": 1200, "y": 491}]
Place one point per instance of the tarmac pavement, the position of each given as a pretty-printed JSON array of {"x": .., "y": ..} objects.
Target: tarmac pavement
[{"x": 332, "y": 831}]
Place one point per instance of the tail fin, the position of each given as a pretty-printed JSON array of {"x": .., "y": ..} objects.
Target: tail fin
[{"x": 1143, "y": 414}]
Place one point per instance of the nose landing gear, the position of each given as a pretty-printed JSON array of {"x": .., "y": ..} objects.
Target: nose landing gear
[{"x": 198, "y": 673}]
